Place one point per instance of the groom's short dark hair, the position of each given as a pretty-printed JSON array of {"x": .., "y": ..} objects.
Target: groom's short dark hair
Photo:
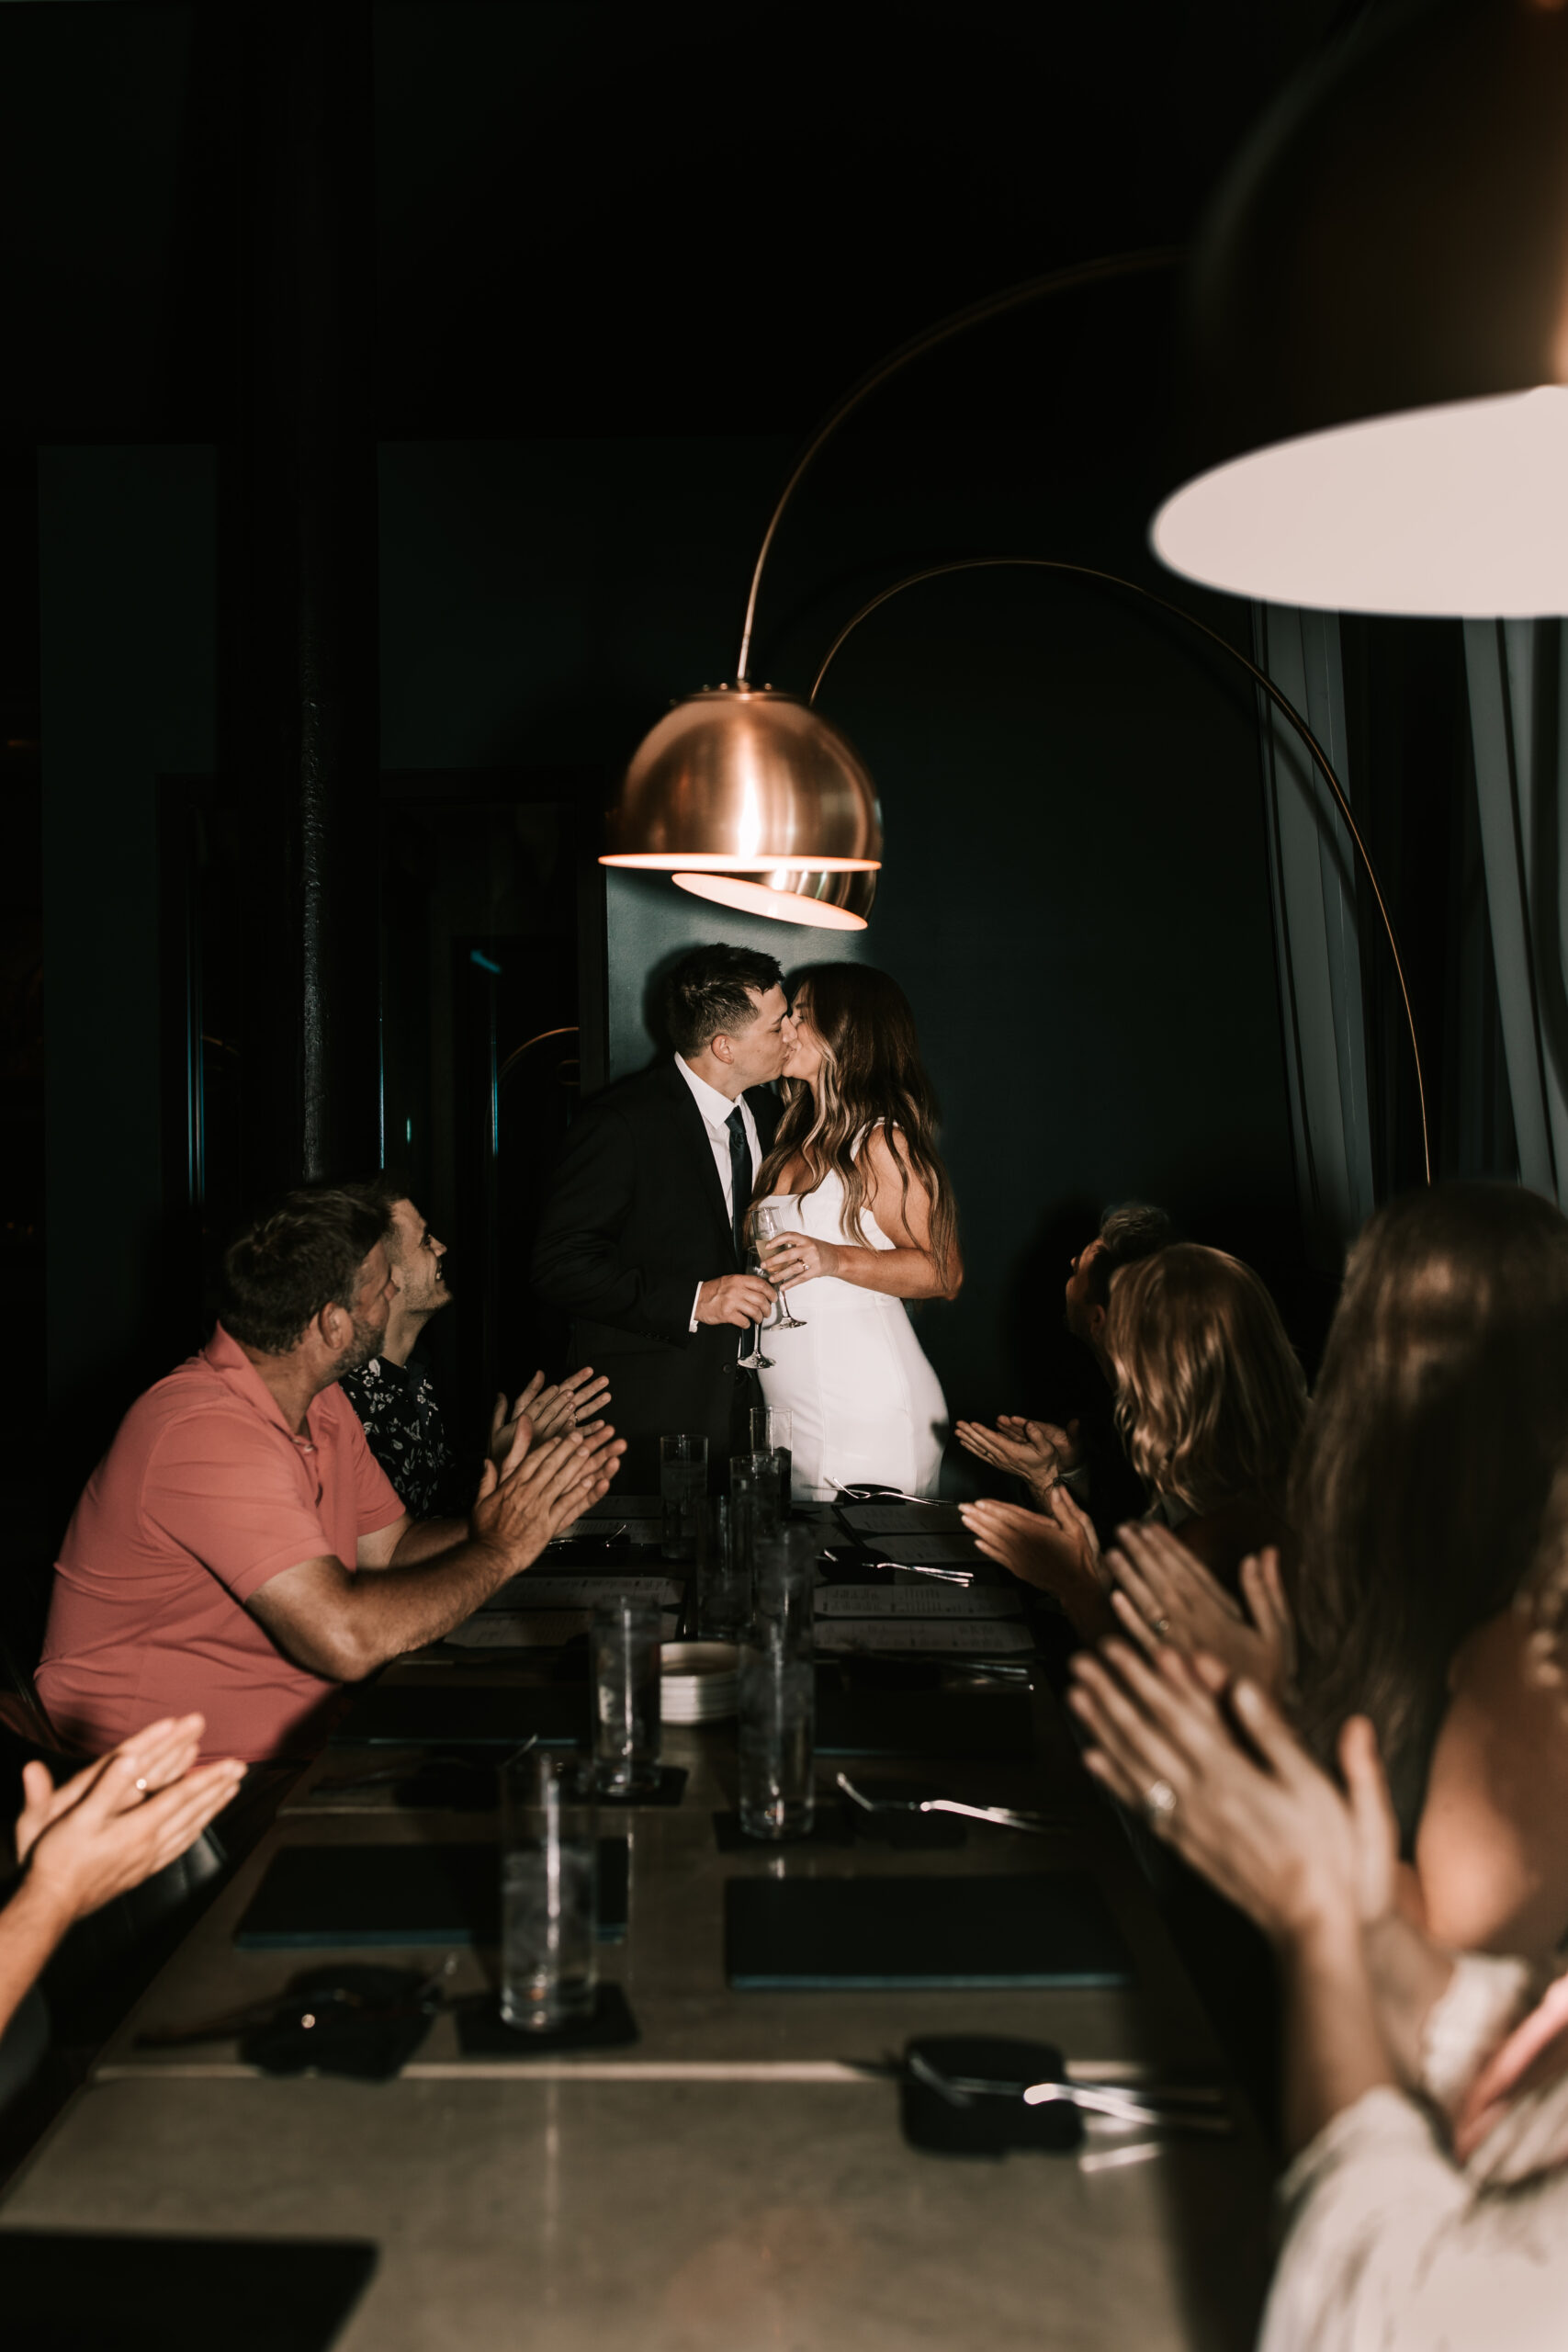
[{"x": 706, "y": 992}]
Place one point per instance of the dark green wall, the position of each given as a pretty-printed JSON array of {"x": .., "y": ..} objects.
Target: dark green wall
[
  {"x": 126, "y": 566},
  {"x": 1074, "y": 894}
]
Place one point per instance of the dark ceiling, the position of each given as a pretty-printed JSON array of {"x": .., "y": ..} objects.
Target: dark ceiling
[{"x": 595, "y": 219}]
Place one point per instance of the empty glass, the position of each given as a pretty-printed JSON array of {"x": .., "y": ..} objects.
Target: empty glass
[
  {"x": 772, "y": 1428},
  {"x": 784, "y": 1578},
  {"x": 682, "y": 1492},
  {"x": 777, "y": 1694},
  {"x": 724, "y": 1582},
  {"x": 549, "y": 1897},
  {"x": 625, "y": 1644}
]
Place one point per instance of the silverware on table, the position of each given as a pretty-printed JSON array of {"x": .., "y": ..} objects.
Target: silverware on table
[
  {"x": 1001, "y": 1816},
  {"x": 1180, "y": 2106}
]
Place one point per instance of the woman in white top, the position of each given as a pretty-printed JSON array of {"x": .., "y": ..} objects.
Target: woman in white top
[
  {"x": 1425, "y": 2090},
  {"x": 869, "y": 1223}
]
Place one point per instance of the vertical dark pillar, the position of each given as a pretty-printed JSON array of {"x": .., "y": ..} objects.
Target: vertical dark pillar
[{"x": 297, "y": 594}]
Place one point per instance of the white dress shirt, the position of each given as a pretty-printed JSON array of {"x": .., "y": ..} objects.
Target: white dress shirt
[{"x": 716, "y": 1109}]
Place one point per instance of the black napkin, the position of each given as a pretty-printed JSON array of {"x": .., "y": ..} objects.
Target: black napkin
[
  {"x": 1027, "y": 1928},
  {"x": 483, "y": 2032},
  {"x": 938, "y": 1724},
  {"x": 409, "y": 1715},
  {"x": 76, "y": 2290},
  {"x": 990, "y": 2124},
  {"x": 337, "y": 1895}
]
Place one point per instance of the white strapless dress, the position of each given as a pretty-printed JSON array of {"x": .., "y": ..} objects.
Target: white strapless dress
[{"x": 864, "y": 1401}]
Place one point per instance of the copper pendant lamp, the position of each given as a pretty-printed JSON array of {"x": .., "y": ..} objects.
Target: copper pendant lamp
[
  {"x": 744, "y": 779},
  {"x": 1378, "y": 316}
]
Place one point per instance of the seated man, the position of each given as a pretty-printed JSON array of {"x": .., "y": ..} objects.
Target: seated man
[
  {"x": 221, "y": 1556},
  {"x": 393, "y": 1394}
]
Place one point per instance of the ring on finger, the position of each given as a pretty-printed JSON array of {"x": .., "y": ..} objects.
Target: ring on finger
[
  {"x": 1160, "y": 1626},
  {"x": 1159, "y": 1802}
]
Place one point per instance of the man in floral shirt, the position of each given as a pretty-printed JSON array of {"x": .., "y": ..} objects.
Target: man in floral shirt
[{"x": 396, "y": 1399}]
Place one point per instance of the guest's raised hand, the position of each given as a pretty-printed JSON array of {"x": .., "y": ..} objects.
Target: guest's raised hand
[
  {"x": 1166, "y": 1595},
  {"x": 518, "y": 1514},
  {"x": 1063, "y": 1442},
  {"x": 167, "y": 1749},
  {"x": 1054, "y": 1548},
  {"x": 119, "y": 1827},
  {"x": 1259, "y": 1819},
  {"x": 1024, "y": 1448},
  {"x": 569, "y": 1403}
]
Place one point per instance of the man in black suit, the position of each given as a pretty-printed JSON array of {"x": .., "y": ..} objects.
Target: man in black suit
[{"x": 642, "y": 1241}]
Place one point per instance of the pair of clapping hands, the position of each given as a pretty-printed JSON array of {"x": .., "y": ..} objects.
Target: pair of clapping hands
[
  {"x": 547, "y": 1465},
  {"x": 120, "y": 1820}
]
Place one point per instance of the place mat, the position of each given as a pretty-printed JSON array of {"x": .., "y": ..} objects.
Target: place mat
[
  {"x": 408, "y": 1715},
  {"x": 925, "y": 1551},
  {"x": 337, "y": 1896},
  {"x": 1028, "y": 1929},
  {"x": 981, "y": 1724},
  {"x": 79, "y": 2291},
  {"x": 902, "y": 1519},
  {"x": 924, "y": 1599},
  {"x": 483, "y": 2032},
  {"x": 616, "y": 1507}
]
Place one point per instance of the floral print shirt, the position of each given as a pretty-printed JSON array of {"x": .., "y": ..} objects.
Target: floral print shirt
[{"x": 405, "y": 1432}]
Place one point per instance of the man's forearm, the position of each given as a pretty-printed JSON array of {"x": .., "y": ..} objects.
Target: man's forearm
[
  {"x": 428, "y": 1538},
  {"x": 405, "y": 1607}
]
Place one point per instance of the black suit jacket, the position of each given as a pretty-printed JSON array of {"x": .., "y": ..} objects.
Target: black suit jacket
[{"x": 635, "y": 1221}]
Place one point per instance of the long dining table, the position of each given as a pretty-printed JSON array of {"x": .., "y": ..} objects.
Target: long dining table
[{"x": 734, "y": 2179}]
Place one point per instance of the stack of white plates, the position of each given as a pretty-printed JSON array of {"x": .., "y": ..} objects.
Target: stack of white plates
[{"x": 698, "y": 1681}]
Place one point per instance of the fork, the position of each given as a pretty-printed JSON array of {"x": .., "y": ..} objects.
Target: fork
[
  {"x": 1119, "y": 2107},
  {"x": 1001, "y": 1816}
]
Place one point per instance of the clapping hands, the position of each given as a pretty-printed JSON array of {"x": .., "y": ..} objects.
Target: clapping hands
[
  {"x": 1166, "y": 1595},
  {"x": 544, "y": 1411},
  {"x": 1037, "y": 1452},
  {"x": 129, "y": 1815}
]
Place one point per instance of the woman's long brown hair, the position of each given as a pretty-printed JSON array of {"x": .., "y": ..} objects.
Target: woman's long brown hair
[
  {"x": 1424, "y": 1471},
  {"x": 872, "y": 1075},
  {"x": 1210, "y": 1397}
]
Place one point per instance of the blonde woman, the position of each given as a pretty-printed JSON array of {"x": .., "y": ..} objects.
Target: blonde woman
[
  {"x": 869, "y": 1223},
  {"x": 1210, "y": 1401}
]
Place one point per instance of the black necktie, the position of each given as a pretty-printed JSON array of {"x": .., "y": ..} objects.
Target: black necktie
[{"x": 739, "y": 1181}]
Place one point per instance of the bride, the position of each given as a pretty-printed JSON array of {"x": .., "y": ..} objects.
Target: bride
[{"x": 870, "y": 1222}]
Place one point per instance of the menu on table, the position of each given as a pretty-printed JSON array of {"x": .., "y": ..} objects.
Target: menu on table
[{"x": 582, "y": 1591}]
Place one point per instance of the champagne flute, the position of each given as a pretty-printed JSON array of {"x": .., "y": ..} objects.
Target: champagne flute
[
  {"x": 755, "y": 1361},
  {"x": 770, "y": 1221}
]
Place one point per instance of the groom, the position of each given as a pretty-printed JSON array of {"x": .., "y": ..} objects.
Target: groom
[{"x": 642, "y": 1241}]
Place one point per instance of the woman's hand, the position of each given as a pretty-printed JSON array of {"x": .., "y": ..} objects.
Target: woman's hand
[
  {"x": 122, "y": 1819},
  {"x": 1168, "y": 1596},
  {"x": 800, "y": 1257},
  {"x": 1235, "y": 1792},
  {"x": 1030, "y": 1450},
  {"x": 1054, "y": 1548}
]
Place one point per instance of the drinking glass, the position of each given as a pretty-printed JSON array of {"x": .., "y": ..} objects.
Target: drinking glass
[
  {"x": 549, "y": 1897},
  {"x": 771, "y": 1428},
  {"x": 785, "y": 1586},
  {"x": 754, "y": 1361},
  {"x": 777, "y": 1695},
  {"x": 625, "y": 1644},
  {"x": 724, "y": 1577},
  {"x": 770, "y": 1220},
  {"x": 682, "y": 1492}
]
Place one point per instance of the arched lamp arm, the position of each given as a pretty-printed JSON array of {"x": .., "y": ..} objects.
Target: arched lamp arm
[
  {"x": 1010, "y": 298},
  {"x": 1260, "y": 677}
]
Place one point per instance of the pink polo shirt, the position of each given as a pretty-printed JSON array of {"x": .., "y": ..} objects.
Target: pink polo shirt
[{"x": 205, "y": 1494}]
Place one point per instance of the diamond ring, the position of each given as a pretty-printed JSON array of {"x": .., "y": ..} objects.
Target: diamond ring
[
  {"x": 1159, "y": 1802},
  {"x": 1162, "y": 1627}
]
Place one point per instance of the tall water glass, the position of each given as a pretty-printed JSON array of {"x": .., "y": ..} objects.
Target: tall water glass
[
  {"x": 724, "y": 1580},
  {"x": 772, "y": 1429},
  {"x": 624, "y": 1641},
  {"x": 777, "y": 1693},
  {"x": 783, "y": 1578},
  {"x": 549, "y": 1897},
  {"x": 682, "y": 1492}
]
